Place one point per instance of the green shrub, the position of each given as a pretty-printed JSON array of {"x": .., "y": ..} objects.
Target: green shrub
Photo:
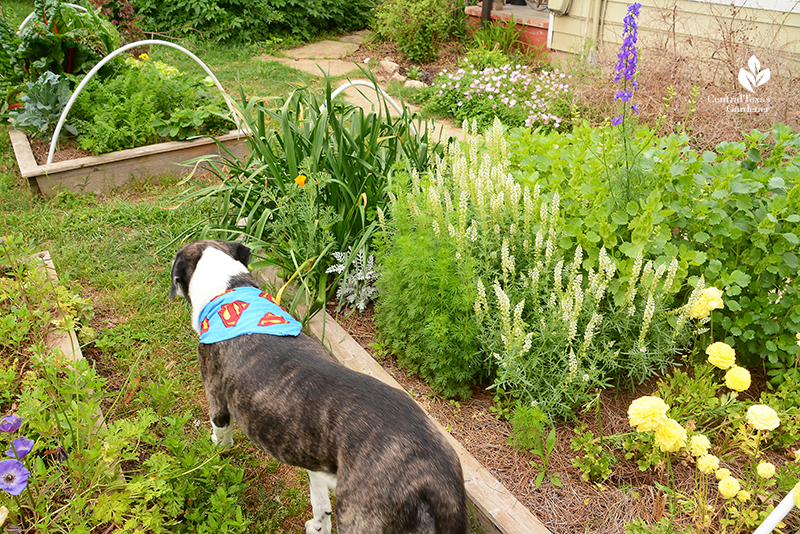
[
  {"x": 249, "y": 21},
  {"x": 418, "y": 27},
  {"x": 729, "y": 215},
  {"x": 43, "y": 101},
  {"x": 424, "y": 313}
]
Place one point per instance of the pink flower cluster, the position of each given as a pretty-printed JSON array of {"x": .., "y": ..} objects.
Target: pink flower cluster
[{"x": 509, "y": 85}]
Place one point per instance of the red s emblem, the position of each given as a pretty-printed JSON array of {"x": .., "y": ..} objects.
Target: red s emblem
[
  {"x": 270, "y": 319},
  {"x": 231, "y": 312}
]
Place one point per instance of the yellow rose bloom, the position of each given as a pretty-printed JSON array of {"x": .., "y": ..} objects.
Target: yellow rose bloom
[
  {"x": 300, "y": 180},
  {"x": 721, "y": 355},
  {"x": 647, "y": 413},
  {"x": 699, "y": 445},
  {"x": 708, "y": 463},
  {"x": 766, "y": 470},
  {"x": 729, "y": 487},
  {"x": 743, "y": 496},
  {"x": 710, "y": 299},
  {"x": 670, "y": 436},
  {"x": 762, "y": 417},
  {"x": 737, "y": 378},
  {"x": 722, "y": 473}
]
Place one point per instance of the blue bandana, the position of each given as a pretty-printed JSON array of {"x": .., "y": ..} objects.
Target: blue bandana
[{"x": 244, "y": 310}]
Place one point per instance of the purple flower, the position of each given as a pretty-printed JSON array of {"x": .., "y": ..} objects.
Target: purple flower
[
  {"x": 22, "y": 446},
  {"x": 616, "y": 121},
  {"x": 13, "y": 476},
  {"x": 10, "y": 423},
  {"x": 635, "y": 107},
  {"x": 628, "y": 57},
  {"x": 625, "y": 96}
]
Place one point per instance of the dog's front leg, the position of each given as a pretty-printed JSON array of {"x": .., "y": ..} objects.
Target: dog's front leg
[
  {"x": 319, "y": 484},
  {"x": 222, "y": 433}
]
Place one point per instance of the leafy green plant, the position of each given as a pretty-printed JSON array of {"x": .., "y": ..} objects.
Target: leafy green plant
[
  {"x": 356, "y": 286},
  {"x": 424, "y": 313},
  {"x": 341, "y": 157},
  {"x": 595, "y": 461},
  {"x": 529, "y": 424},
  {"x": 59, "y": 38},
  {"x": 418, "y": 27},
  {"x": 122, "y": 14},
  {"x": 44, "y": 100},
  {"x": 142, "y": 103}
]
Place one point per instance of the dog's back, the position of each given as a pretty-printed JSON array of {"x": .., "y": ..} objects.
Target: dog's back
[{"x": 394, "y": 472}]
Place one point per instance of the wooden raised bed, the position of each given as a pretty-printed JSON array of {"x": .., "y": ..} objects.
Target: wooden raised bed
[{"x": 117, "y": 170}]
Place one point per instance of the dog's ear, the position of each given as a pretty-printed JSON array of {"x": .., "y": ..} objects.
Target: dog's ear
[
  {"x": 180, "y": 279},
  {"x": 240, "y": 253}
]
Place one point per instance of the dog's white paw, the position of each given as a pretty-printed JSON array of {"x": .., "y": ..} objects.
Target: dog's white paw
[
  {"x": 222, "y": 436},
  {"x": 315, "y": 526}
]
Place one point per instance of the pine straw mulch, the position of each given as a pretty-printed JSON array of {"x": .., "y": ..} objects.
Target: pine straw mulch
[
  {"x": 66, "y": 150},
  {"x": 578, "y": 506}
]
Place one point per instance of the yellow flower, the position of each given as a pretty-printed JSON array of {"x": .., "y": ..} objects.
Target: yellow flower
[
  {"x": 796, "y": 494},
  {"x": 721, "y": 355},
  {"x": 699, "y": 445},
  {"x": 300, "y": 180},
  {"x": 722, "y": 473},
  {"x": 766, "y": 470},
  {"x": 670, "y": 436},
  {"x": 144, "y": 57},
  {"x": 762, "y": 417},
  {"x": 797, "y": 455},
  {"x": 708, "y": 463},
  {"x": 710, "y": 299},
  {"x": 647, "y": 413},
  {"x": 3, "y": 515},
  {"x": 743, "y": 496},
  {"x": 729, "y": 487},
  {"x": 798, "y": 338},
  {"x": 737, "y": 378}
]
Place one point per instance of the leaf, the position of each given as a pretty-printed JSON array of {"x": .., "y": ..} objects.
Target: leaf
[
  {"x": 747, "y": 80},
  {"x": 754, "y": 64},
  {"x": 539, "y": 479},
  {"x": 762, "y": 77}
]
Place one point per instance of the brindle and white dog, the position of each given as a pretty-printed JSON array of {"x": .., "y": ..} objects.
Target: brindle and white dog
[{"x": 392, "y": 470}]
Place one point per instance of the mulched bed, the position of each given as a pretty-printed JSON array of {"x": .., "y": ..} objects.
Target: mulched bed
[
  {"x": 66, "y": 150},
  {"x": 578, "y": 506}
]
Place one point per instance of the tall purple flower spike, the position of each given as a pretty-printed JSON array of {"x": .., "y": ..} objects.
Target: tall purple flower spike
[
  {"x": 628, "y": 57},
  {"x": 13, "y": 476}
]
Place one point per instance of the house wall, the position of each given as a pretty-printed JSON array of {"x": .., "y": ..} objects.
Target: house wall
[{"x": 711, "y": 32}]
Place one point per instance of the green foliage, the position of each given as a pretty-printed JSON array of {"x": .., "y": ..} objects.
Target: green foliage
[
  {"x": 503, "y": 37},
  {"x": 529, "y": 424},
  {"x": 693, "y": 395},
  {"x": 246, "y": 21},
  {"x": 332, "y": 155},
  {"x": 418, "y": 27},
  {"x": 549, "y": 325},
  {"x": 137, "y": 472},
  {"x": 59, "y": 38},
  {"x": 43, "y": 101},
  {"x": 424, "y": 313},
  {"x": 729, "y": 215},
  {"x": 139, "y": 105},
  {"x": 595, "y": 461}
]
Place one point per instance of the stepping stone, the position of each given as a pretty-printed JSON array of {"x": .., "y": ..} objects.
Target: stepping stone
[
  {"x": 334, "y": 67},
  {"x": 323, "y": 50}
]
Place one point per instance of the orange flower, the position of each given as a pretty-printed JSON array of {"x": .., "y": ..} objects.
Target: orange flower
[{"x": 300, "y": 180}]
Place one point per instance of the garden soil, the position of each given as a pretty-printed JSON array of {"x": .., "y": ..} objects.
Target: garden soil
[{"x": 577, "y": 506}]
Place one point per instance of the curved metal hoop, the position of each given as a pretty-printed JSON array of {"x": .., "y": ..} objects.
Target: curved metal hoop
[
  {"x": 377, "y": 89},
  {"x": 111, "y": 56}
]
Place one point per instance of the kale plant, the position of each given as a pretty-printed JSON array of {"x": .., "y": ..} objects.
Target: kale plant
[{"x": 43, "y": 101}]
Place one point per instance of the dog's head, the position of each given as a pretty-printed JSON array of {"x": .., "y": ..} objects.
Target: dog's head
[{"x": 186, "y": 259}]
